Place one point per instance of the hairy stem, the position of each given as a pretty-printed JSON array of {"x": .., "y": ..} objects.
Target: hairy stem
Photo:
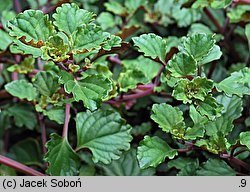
[
  {"x": 66, "y": 120},
  {"x": 19, "y": 167}
]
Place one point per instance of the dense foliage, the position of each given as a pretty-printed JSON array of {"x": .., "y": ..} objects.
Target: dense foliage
[{"x": 126, "y": 87}]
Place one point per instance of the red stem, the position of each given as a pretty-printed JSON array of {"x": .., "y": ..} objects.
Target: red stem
[
  {"x": 66, "y": 120},
  {"x": 19, "y": 167}
]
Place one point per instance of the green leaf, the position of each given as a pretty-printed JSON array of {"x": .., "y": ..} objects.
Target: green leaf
[
  {"x": 5, "y": 40},
  {"x": 179, "y": 163},
  {"x": 106, "y": 20},
  {"x": 216, "y": 4},
  {"x": 182, "y": 65},
  {"x": 237, "y": 83},
  {"x": 214, "y": 54},
  {"x": 127, "y": 165},
  {"x": 6, "y": 5},
  {"x": 132, "y": 5},
  {"x": 87, "y": 38},
  {"x": 63, "y": 161},
  {"x": 32, "y": 27},
  {"x": 22, "y": 89},
  {"x": 104, "y": 133},
  {"x": 140, "y": 70},
  {"x": 113, "y": 41},
  {"x": 116, "y": 8},
  {"x": 187, "y": 91},
  {"x": 216, "y": 167},
  {"x": 239, "y": 13},
  {"x": 169, "y": 118},
  {"x": 187, "y": 166},
  {"x": 36, "y": 4},
  {"x": 185, "y": 17},
  {"x": 151, "y": 45},
  {"x": 65, "y": 76},
  {"x": 69, "y": 17},
  {"x": 209, "y": 107},
  {"x": 213, "y": 145},
  {"x": 232, "y": 106},
  {"x": 26, "y": 66},
  {"x": 27, "y": 152},
  {"x": 23, "y": 115},
  {"x": 221, "y": 126},
  {"x": 198, "y": 128},
  {"x": 55, "y": 114},
  {"x": 5, "y": 122},
  {"x": 5, "y": 17},
  {"x": 7, "y": 171},
  {"x": 20, "y": 48},
  {"x": 141, "y": 129},
  {"x": 130, "y": 78},
  {"x": 198, "y": 45},
  {"x": 196, "y": 117},
  {"x": 152, "y": 151},
  {"x": 55, "y": 49},
  {"x": 91, "y": 90},
  {"x": 245, "y": 138},
  {"x": 46, "y": 83},
  {"x": 194, "y": 132},
  {"x": 247, "y": 32},
  {"x": 199, "y": 28},
  {"x": 174, "y": 12},
  {"x": 189, "y": 170}
]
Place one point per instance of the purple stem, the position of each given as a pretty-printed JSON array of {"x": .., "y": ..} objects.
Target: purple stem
[
  {"x": 19, "y": 167},
  {"x": 137, "y": 95},
  {"x": 235, "y": 161},
  {"x": 157, "y": 78},
  {"x": 17, "y": 6},
  {"x": 184, "y": 150},
  {"x": 43, "y": 132},
  {"x": 147, "y": 86},
  {"x": 66, "y": 120},
  {"x": 242, "y": 1},
  {"x": 39, "y": 63},
  {"x": 115, "y": 59},
  {"x": 213, "y": 19}
]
